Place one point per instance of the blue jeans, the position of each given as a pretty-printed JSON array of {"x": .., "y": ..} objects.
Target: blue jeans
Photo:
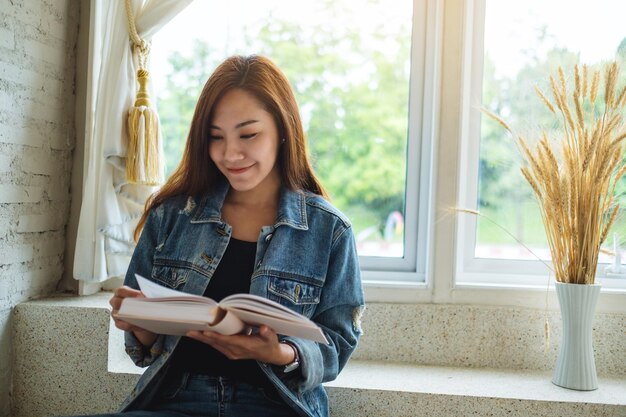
[{"x": 209, "y": 396}]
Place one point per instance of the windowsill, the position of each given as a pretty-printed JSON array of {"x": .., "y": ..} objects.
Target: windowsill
[
  {"x": 511, "y": 384},
  {"x": 397, "y": 387},
  {"x": 471, "y": 382},
  {"x": 81, "y": 372}
]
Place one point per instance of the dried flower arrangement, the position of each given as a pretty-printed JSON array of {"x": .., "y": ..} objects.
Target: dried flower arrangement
[{"x": 574, "y": 175}]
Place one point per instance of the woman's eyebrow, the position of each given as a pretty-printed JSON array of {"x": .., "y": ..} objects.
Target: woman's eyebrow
[
  {"x": 237, "y": 126},
  {"x": 242, "y": 124}
]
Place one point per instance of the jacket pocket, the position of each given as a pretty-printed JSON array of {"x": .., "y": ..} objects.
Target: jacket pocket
[
  {"x": 293, "y": 292},
  {"x": 169, "y": 275}
]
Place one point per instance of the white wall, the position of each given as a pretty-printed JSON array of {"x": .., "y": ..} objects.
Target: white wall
[{"x": 37, "y": 137}]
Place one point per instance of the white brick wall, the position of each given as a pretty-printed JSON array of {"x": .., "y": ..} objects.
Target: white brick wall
[
  {"x": 37, "y": 76},
  {"x": 42, "y": 162},
  {"x": 32, "y": 223},
  {"x": 5, "y": 163},
  {"x": 7, "y": 39},
  {"x": 16, "y": 253},
  {"x": 20, "y": 194}
]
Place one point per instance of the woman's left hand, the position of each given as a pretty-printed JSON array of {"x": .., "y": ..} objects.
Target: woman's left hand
[{"x": 262, "y": 346}]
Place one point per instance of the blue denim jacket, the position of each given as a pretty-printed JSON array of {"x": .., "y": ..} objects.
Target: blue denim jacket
[{"x": 306, "y": 261}]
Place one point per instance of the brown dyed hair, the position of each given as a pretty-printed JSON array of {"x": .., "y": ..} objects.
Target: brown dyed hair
[{"x": 197, "y": 175}]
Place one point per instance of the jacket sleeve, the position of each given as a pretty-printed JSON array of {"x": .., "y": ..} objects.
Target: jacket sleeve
[
  {"x": 338, "y": 314},
  {"x": 141, "y": 263}
]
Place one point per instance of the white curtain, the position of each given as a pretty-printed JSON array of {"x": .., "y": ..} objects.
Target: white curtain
[{"x": 111, "y": 207}]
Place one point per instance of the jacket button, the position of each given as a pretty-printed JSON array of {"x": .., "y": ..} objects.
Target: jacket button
[
  {"x": 268, "y": 237},
  {"x": 297, "y": 291},
  {"x": 221, "y": 232}
]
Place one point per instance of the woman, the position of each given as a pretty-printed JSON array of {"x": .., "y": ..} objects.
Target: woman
[{"x": 244, "y": 212}]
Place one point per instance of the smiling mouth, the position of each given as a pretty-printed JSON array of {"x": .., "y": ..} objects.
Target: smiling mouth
[{"x": 238, "y": 170}]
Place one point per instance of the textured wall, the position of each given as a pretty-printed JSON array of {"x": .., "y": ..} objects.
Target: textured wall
[
  {"x": 37, "y": 100},
  {"x": 482, "y": 337}
]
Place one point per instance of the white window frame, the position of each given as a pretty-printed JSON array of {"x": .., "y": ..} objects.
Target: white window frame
[
  {"x": 493, "y": 280},
  {"x": 409, "y": 272},
  {"x": 471, "y": 270},
  {"x": 394, "y": 276}
]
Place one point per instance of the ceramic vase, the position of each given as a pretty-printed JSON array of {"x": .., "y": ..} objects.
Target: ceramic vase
[{"x": 575, "y": 366}]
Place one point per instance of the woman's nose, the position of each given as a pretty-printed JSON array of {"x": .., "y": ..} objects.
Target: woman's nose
[{"x": 232, "y": 150}]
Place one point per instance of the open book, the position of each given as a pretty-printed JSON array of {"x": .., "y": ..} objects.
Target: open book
[{"x": 167, "y": 311}]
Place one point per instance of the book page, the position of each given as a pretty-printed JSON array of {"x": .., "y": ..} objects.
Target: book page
[
  {"x": 159, "y": 293},
  {"x": 153, "y": 290},
  {"x": 176, "y": 317},
  {"x": 256, "y": 310},
  {"x": 304, "y": 328},
  {"x": 259, "y": 304}
]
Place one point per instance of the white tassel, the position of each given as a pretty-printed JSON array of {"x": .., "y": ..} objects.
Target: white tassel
[{"x": 144, "y": 161}]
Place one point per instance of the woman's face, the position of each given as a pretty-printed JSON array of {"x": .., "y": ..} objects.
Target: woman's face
[{"x": 244, "y": 142}]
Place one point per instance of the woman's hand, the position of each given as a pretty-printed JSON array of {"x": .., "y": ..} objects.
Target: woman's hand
[
  {"x": 262, "y": 346},
  {"x": 146, "y": 337}
]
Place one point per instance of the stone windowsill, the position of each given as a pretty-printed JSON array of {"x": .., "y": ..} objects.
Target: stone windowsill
[{"x": 365, "y": 387}]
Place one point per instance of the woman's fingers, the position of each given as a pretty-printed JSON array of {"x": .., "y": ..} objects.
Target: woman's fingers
[
  {"x": 122, "y": 325},
  {"x": 267, "y": 334},
  {"x": 260, "y": 346},
  {"x": 146, "y": 337},
  {"x": 210, "y": 337},
  {"x": 123, "y": 292},
  {"x": 116, "y": 301}
]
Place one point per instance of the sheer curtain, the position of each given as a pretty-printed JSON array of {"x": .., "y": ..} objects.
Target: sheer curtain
[{"x": 110, "y": 206}]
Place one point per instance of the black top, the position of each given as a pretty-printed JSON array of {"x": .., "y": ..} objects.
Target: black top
[{"x": 232, "y": 276}]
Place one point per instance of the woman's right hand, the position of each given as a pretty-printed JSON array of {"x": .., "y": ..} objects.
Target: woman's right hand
[{"x": 146, "y": 337}]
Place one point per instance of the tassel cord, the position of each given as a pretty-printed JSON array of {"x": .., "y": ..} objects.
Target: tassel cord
[{"x": 141, "y": 48}]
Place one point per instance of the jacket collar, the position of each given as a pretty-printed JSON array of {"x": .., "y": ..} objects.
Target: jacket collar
[{"x": 291, "y": 207}]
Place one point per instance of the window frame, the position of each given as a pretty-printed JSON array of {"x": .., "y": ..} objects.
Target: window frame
[
  {"x": 408, "y": 272},
  {"x": 478, "y": 280},
  {"x": 411, "y": 270}
]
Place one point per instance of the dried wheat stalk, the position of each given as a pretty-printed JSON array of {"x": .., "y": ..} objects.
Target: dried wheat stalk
[{"x": 575, "y": 189}]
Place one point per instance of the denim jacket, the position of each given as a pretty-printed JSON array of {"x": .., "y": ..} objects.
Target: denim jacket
[{"x": 306, "y": 261}]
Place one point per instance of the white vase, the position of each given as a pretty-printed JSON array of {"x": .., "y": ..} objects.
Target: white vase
[{"x": 575, "y": 366}]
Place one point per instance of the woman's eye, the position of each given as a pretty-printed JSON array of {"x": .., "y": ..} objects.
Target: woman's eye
[
  {"x": 215, "y": 137},
  {"x": 248, "y": 136}
]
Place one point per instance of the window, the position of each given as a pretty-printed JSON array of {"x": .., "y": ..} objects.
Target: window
[
  {"x": 515, "y": 46},
  {"x": 359, "y": 70},
  {"x": 438, "y": 64}
]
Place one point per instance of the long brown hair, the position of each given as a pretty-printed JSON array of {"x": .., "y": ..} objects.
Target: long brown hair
[{"x": 197, "y": 175}]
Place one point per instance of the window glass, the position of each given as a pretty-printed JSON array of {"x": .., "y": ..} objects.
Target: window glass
[
  {"x": 525, "y": 43},
  {"x": 349, "y": 63}
]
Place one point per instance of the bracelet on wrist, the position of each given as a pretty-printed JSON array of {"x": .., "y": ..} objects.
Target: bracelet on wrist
[{"x": 295, "y": 364}]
